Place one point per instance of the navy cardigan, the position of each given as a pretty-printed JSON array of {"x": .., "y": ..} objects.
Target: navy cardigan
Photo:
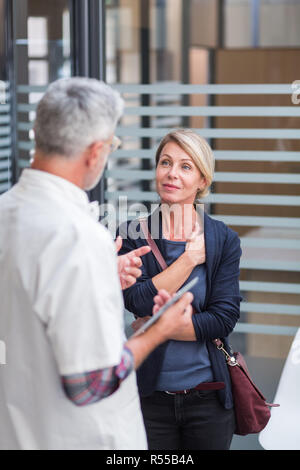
[{"x": 222, "y": 302}]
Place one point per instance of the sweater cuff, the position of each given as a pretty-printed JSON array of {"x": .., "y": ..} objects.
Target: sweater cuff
[
  {"x": 150, "y": 292},
  {"x": 139, "y": 299},
  {"x": 151, "y": 287},
  {"x": 197, "y": 328}
]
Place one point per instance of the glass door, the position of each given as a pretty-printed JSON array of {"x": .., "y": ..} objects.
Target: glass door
[
  {"x": 5, "y": 102},
  {"x": 223, "y": 69},
  {"x": 42, "y": 54}
]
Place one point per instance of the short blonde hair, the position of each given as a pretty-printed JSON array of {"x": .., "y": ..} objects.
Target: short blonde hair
[{"x": 199, "y": 151}]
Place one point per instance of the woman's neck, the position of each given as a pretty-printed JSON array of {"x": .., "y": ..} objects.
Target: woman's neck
[{"x": 178, "y": 221}]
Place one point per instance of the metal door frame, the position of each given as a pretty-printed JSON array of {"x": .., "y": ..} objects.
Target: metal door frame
[
  {"x": 87, "y": 19},
  {"x": 88, "y": 51}
]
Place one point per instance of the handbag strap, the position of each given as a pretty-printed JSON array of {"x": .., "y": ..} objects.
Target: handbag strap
[
  {"x": 218, "y": 343},
  {"x": 231, "y": 360},
  {"x": 152, "y": 244}
]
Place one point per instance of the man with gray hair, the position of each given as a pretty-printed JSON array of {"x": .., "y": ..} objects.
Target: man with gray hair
[{"x": 69, "y": 380}]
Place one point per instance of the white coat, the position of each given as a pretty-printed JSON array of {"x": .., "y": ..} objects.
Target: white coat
[{"x": 61, "y": 312}]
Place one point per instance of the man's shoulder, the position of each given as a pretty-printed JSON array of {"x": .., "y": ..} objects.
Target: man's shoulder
[
  {"x": 86, "y": 229},
  {"x": 52, "y": 220}
]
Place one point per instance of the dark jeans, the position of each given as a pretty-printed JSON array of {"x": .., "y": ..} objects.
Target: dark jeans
[{"x": 196, "y": 421}]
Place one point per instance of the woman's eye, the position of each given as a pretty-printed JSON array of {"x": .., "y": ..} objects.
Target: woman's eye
[
  {"x": 164, "y": 162},
  {"x": 186, "y": 167}
]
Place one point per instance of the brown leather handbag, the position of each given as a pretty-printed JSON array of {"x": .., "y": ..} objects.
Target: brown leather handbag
[{"x": 252, "y": 412}]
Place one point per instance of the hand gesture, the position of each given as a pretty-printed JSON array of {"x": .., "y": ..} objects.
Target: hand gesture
[
  {"x": 159, "y": 300},
  {"x": 129, "y": 264},
  {"x": 176, "y": 321},
  {"x": 195, "y": 246}
]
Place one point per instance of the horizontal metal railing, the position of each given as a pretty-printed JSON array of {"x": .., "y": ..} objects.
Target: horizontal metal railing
[{"x": 124, "y": 175}]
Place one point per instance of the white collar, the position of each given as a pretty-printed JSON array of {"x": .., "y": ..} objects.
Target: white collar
[{"x": 56, "y": 185}]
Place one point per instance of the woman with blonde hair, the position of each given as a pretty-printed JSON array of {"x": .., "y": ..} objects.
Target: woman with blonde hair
[{"x": 184, "y": 385}]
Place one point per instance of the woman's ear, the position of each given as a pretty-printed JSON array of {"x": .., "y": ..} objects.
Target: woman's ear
[{"x": 203, "y": 184}]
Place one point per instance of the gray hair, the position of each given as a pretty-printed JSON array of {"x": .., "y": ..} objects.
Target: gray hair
[{"x": 74, "y": 113}]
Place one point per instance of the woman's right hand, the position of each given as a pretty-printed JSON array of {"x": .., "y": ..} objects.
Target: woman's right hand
[{"x": 195, "y": 247}]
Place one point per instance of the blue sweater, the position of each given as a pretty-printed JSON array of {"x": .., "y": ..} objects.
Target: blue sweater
[
  {"x": 185, "y": 364},
  {"x": 221, "y": 308}
]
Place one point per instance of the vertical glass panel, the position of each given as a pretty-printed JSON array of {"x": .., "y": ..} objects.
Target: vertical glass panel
[
  {"x": 5, "y": 105},
  {"x": 38, "y": 72},
  {"x": 42, "y": 54},
  {"x": 238, "y": 23},
  {"x": 37, "y": 36},
  {"x": 262, "y": 23},
  {"x": 5, "y": 136},
  {"x": 279, "y": 23},
  {"x": 157, "y": 50}
]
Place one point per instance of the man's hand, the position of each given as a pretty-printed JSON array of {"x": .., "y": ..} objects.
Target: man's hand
[
  {"x": 168, "y": 326},
  {"x": 185, "y": 332},
  {"x": 159, "y": 300},
  {"x": 129, "y": 264},
  {"x": 177, "y": 319}
]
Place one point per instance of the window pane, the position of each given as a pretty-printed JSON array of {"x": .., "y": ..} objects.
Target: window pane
[{"x": 224, "y": 69}]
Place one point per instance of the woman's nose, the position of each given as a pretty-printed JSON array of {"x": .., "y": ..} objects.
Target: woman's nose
[{"x": 173, "y": 171}]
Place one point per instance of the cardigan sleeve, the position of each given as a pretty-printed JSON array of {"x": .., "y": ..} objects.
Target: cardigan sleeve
[
  {"x": 223, "y": 308},
  {"x": 138, "y": 298}
]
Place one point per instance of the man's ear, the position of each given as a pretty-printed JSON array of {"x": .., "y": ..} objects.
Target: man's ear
[{"x": 92, "y": 154}]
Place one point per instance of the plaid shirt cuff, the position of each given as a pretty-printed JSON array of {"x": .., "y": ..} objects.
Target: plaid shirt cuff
[
  {"x": 90, "y": 387},
  {"x": 126, "y": 365}
]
